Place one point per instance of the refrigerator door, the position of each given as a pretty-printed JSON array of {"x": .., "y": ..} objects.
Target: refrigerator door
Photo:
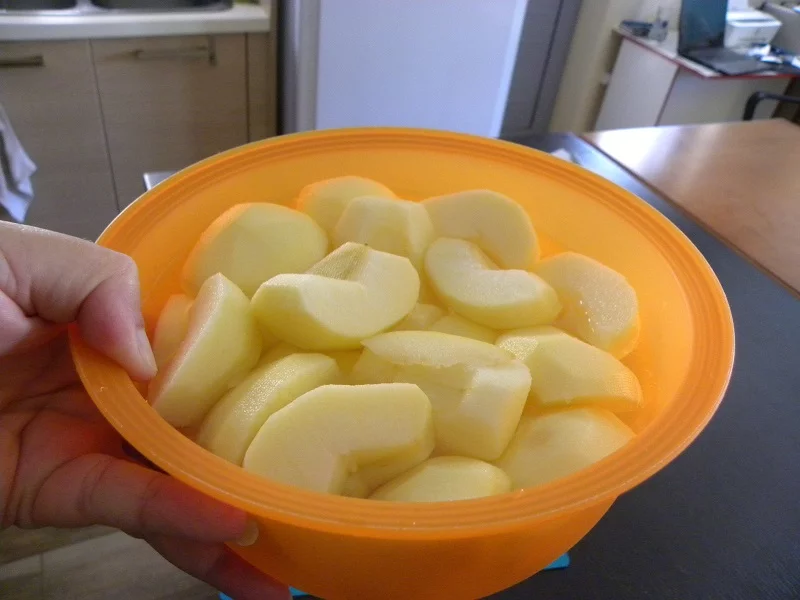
[{"x": 444, "y": 65}]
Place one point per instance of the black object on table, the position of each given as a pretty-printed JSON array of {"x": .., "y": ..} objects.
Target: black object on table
[
  {"x": 756, "y": 97},
  {"x": 723, "y": 520}
]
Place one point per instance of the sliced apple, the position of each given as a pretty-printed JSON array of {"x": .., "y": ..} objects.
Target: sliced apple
[
  {"x": 445, "y": 478},
  {"x": 268, "y": 339},
  {"x": 371, "y": 368},
  {"x": 277, "y": 352},
  {"x": 457, "y": 325},
  {"x": 336, "y": 431},
  {"x": 369, "y": 477},
  {"x": 497, "y": 224},
  {"x": 477, "y": 390},
  {"x": 346, "y": 359},
  {"x": 222, "y": 344},
  {"x": 566, "y": 371},
  {"x": 426, "y": 294},
  {"x": 249, "y": 243},
  {"x": 352, "y": 294},
  {"x": 391, "y": 225},
  {"x": 442, "y": 350},
  {"x": 421, "y": 317},
  {"x": 171, "y": 328},
  {"x": 324, "y": 201},
  {"x": 474, "y": 287},
  {"x": 600, "y": 306},
  {"x": 233, "y": 422},
  {"x": 557, "y": 444}
]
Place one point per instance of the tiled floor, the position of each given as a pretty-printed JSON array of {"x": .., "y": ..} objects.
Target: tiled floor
[
  {"x": 114, "y": 565},
  {"x": 20, "y": 543}
]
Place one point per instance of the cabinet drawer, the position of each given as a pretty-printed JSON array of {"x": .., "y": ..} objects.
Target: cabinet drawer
[
  {"x": 168, "y": 102},
  {"x": 48, "y": 90}
]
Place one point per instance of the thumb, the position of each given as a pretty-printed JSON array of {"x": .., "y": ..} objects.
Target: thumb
[{"x": 56, "y": 279}]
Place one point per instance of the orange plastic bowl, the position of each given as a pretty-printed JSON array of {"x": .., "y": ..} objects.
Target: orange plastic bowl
[{"x": 342, "y": 548}]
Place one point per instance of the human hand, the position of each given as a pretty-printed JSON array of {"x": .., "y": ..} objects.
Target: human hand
[{"x": 61, "y": 464}]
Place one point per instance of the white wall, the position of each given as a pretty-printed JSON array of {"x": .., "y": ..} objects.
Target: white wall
[
  {"x": 442, "y": 64},
  {"x": 591, "y": 54}
]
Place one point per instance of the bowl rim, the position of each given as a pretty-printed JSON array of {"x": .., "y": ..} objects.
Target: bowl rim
[{"x": 707, "y": 378}]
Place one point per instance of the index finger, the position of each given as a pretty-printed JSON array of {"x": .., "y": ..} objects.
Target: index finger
[{"x": 99, "y": 489}]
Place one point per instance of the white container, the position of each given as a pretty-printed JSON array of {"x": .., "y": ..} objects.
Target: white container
[{"x": 750, "y": 27}]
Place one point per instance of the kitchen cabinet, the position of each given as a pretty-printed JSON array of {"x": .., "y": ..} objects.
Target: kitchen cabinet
[
  {"x": 262, "y": 85},
  {"x": 95, "y": 115},
  {"x": 48, "y": 91},
  {"x": 168, "y": 102}
]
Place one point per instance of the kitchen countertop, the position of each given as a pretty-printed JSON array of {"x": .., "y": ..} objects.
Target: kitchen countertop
[
  {"x": 241, "y": 18},
  {"x": 738, "y": 179}
]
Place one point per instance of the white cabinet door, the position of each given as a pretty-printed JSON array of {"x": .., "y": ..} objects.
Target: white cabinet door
[
  {"x": 169, "y": 102},
  {"x": 48, "y": 90}
]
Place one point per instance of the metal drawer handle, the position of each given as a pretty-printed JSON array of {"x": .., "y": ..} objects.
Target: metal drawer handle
[
  {"x": 208, "y": 52},
  {"x": 21, "y": 62}
]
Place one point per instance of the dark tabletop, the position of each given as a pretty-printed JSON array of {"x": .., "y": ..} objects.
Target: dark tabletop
[{"x": 723, "y": 520}]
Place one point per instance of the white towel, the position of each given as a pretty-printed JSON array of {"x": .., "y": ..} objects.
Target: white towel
[{"x": 16, "y": 168}]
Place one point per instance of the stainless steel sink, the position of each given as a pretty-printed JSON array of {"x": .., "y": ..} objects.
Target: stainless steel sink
[
  {"x": 161, "y": 5},
  {"x": 37, "y": 5},
  {"x": 95, "y": 7}
]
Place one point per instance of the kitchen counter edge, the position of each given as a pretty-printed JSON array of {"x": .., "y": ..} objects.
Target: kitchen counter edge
[{"x": 241, "y": 18}]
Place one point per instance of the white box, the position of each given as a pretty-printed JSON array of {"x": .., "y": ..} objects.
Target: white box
[{"x": 750, "y": 27}]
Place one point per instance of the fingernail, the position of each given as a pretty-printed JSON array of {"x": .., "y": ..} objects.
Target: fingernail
[
  {"x": 250, "y": 535},
  {"x": 145, "y": 351}
]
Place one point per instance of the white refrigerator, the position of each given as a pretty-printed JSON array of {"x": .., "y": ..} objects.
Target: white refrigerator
[{"x": 486, "y": 67}]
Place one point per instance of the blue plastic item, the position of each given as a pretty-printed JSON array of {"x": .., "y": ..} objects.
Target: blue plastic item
[{"x": 560, "y": 563}]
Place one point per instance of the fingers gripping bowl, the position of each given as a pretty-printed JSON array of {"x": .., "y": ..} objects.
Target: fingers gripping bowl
[{"x": 337, "y": 547}]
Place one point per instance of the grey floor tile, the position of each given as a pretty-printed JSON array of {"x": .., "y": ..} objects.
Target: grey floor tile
[
  {"x": 116, "y": 566},
  {"x": 22, "y": 579},
  {"x": 18, "y": 543}
]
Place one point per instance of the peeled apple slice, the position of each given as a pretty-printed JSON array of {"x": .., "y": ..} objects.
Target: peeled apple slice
[
  {"x": 324, "y": 201},
  {"x": 365, "y": 480},
  {"x": 458, "y": 325},
  {"x": 497, "y": 224},
  {"x": 477, "y": 390},
  {"x": 222, "y": 344},
  {"x": 554, "y": 445},
  {"x": 391, "y": 225},
  {"x": 445, "y": 478},
  {"x": 352, "y": 294},
  {"x": 566, "y": 371},
  {"x": 421, "y": 317},
  {"x": 426, "y": 294},
  {"x": 600, "y": 306},
  {"x": 249, "y": 243},
  {"x": 277, "y": 352},
  {"x": 335, "y": 431},
  {"x": 233, "y": 422},
  {"x": 441, "y": 350},
  {"x": 346, "y": 359},
  {"x": 474, "y": 287},
  {"x": 268, "y": 339},
  {"x": 171, "y": 328}
]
